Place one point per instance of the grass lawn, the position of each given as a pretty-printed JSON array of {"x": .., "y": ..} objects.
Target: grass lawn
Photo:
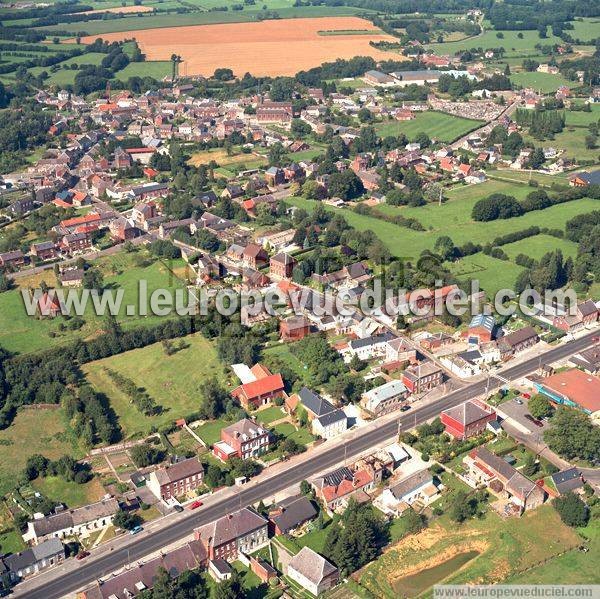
[
  {"x": 544, "y": 82},
  {"x": 493, "y": 274},
  {"x": 302, "y": 436},
  {"x": 579, "y": 118},
  {"x": 438, "y": 125},
  {"x": 74, "y": 495},
  {"x": 497, "y": 549},
  {"x": 33, "y": 431},
  {"x": 270, "y": 414},
  {"x": 171, "y": 381},
  {"x": 210, "y": 432},
  {"x": 11, "y": 542},
  {"x": 281, "y": 351},
  {"x": 510, "y": 41},
  {"x": 536, "y": 247},
  {"x": 574, "y": 567}
]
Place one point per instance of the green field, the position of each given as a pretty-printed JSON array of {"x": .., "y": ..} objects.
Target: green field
[
  {"x": 454, "y": 219},
  {"x": 157, "y": 69},
  {"x": 491, "y": 273},
  {"x": 22, "y": 333},
  {"x": 171, "y": 381},
  {"x": 574, "y": 567},
  {"x": 542, "y": 82},
  {"x": 536, "y": 247},
  {"x": 585, "y": 30},
  {"x": 438, "y": 125},
  {"x": 34, "y": 431},
  {"x": 579, "y": 118},
  {"x": 572, "y": 141},
  {"x": 510, "y": 42}
]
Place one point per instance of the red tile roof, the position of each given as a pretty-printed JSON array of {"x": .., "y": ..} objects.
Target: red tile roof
[{"x": 260, "y": 387}]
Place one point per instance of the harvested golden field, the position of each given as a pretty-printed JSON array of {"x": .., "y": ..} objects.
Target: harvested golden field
[
  {"x": 277, "y": 47},
  {"x": 119, "y": 9}
]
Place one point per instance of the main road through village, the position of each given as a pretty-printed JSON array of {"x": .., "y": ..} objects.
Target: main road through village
[{"x": 74, "y": 575}]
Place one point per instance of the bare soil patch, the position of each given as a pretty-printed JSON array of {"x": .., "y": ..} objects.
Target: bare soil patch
[{"x": 276, "y": 47}]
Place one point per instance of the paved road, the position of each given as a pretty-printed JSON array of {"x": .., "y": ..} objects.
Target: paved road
[{"x": 51, "y": 586}]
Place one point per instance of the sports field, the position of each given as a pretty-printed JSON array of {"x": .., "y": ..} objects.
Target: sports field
[
  {"x": 276, "y": 47},
  {"x": 438, "y": 125}
]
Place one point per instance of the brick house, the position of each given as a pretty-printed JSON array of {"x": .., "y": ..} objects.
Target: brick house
[
  {"x": 422, "y": 377},
  {"x": 517, "y": 341},
  {"x": 281, "y": 265},
  {"x": 242, "y": 531},
  {"x": 44, "y": 250},
  {"x": 254, "y": 256},
  {"x": 243, "y": 439},
  {"x": 294, "y": 328},
  {"x": 176, "y": 479},
  {"x": 467, "y": 420},
  {"x": 335, "y": 488},
  {"x": 261, "y": 391},
  {"x": 14, "y": 258},
  {"x": 76, "y": 242}
]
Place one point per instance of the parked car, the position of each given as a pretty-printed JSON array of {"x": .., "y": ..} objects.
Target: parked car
[
  {"x": 526, "y": 396},
  {"x": 82, "y": 555},
  {"x": 135, "y": 530},
  {"x": 178, "y": 508},
  {"x": 404, "y": 408},
  {"x": 195, "y": 505},
  {"x": 519, "y": 401},
  {"x": 532, "y": 419}
]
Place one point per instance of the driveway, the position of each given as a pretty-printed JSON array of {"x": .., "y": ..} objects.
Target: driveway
[{"x": 517, "y": 412}]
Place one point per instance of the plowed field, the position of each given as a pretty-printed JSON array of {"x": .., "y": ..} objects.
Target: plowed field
[{"x": 277, "y": 47}]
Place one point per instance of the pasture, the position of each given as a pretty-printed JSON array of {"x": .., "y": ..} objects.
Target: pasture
[
  {"x": 510, "y": 41},
  {"x": 275, "y": 47},
  {"x": 579, "y": 118},
  {"x": 585, "y": 30},
  {"x": 171, "y": 381},
  {"x": 536, "y": 247},
  {"x": 542, "y": 82},
  {"x": 42, "y": 431},
  {"x": 438, "y": 125}
]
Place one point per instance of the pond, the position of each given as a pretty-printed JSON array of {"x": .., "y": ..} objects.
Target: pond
[{"x": 415, "y": 584}]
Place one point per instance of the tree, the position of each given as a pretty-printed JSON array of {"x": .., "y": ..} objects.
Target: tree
[
  {"x": 413, "y": 522},
  {"x": 6, "y": 284},
  {"x": 365, "y": 115},
  {"x": 93, "y": 279},
  {"x": 530, "y": 467},
  {"x": 230, "y": 589},
  {"x": 214, "y": 397},
  {"x": 459, "y": 509},
  {"x": 540, "y": 407},
  {"x": 300, "y": 128},
  {"x": 126, "y": 520},
  {"x": 571, "y": 509},
  {"x": 145, "y": 455},
  {"x": 312, "y": 190},
  {"x": 306, "y": 489},
  {"x": 345, "y": 185}
]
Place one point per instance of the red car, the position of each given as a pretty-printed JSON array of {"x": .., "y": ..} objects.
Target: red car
[
  {"x": 82, "y": 555},
  {"x": 526, "y": 396},
  {"x": 195, "y": 505}
]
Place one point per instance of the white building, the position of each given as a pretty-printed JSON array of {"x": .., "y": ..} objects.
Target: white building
[
  {"x": 385, "y": 398},
  {"x": 312, "y": 571}
]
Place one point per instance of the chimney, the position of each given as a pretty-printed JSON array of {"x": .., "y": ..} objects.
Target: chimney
[{"x": 229, "y": 516}]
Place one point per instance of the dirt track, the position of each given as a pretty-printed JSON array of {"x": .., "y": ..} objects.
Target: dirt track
[{"x": 277, "y": 47}]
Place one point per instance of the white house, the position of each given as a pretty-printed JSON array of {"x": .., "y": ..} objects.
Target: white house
[
  {"x": 397, "y": 499},
  {"x": 72, "y": 523},
  {"x": 386, "y": 398},
  {"x": 330, "y": 425},
  {"x": 312, "y": 571}
]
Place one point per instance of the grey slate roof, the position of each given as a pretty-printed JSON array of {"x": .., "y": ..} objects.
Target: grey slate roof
[
  {"x": 315, "y": 403},
  {"x": 296, "y": 510},
  {"x": 311, "y": 565},
  {"x": 567, "y": 480},
  {"x": 414, "y": 481}
]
